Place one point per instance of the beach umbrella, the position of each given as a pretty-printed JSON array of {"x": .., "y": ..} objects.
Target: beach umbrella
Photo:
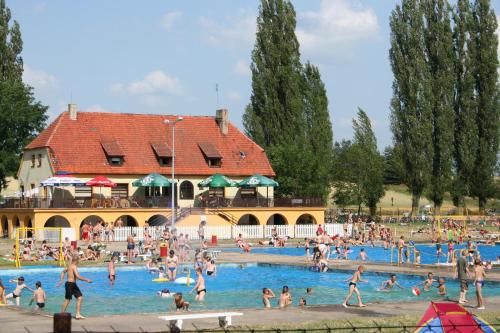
[
  {"x": 217, "y": 181},
  {"x": 258, "y": 180},
  {"x": 451, "y": 317},
  {"x": 62, "y": 180},
  {"x": 100, "y": 181},
  {"x": 152, "y": 180}
]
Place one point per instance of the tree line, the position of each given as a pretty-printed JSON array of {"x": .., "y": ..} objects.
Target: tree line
[{"x": 444, "y": 109}]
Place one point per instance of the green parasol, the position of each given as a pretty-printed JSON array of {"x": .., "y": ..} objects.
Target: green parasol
[
  {"x": 217, "y": 181},
  {"x": 258, "y": 180},
  {"x": 152, "y": 180}
]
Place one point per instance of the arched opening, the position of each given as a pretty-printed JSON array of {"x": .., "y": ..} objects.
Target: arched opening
[
  {"x": 248, "y": 219},
  {"x": 15, "y": 222},
  {"x": 127, "y": 221},
  {"x": 276, "y": 219},
  {"x": 306, "y": 219},
  {"x": 187, "y": 190},
  {"x": 57, "y": 221},
  {"x": 91, "y": 220},
  {"x": 4, "y": 227},
  {"x": 28, "y": 224},
  {"x": 157, "y": 220}
]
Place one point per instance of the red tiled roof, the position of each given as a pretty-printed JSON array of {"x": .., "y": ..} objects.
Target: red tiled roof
[
  {"x": 112, "y": 148},
  {"x": 209, "y": 150},
  {"x": 76, "y": 145},
  {"x": 161, "y": 149}
]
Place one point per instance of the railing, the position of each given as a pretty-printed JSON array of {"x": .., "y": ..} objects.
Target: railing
[{"x": 156, "y": 202}]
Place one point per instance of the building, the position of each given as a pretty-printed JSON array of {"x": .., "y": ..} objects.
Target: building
[{"x": 126, "y": 147}]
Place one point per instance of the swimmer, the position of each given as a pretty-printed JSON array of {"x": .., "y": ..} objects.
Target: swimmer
[
  {"x": 201, "y": 290},
  {"x": 309, "y": 291},
  {"x": 211, "y": 267},
  {"x": 302, "y": 301},
  {"x": 356, "y": 278},
  {"x": 267, "y": 294},
  {"x": 439, "y": 250},
  {"x": 39, "y": 296},
  {"x": 111, "y": 270},
  {"x": 428, "y": 282},
  {"x": 180, "y": 303},
  {"x": 164, "y": 293},
  {"x": 416, "y": 252},
  {"x": 442, "y": 287},
  {"x": 16, "y": 294},
  {"x": 388, "y": 284},
  {"x": 285, "y": 298},
  {"x": 362, "y": 255}
]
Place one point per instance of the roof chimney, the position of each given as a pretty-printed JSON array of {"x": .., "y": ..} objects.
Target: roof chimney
[
  {"x": 72, "y": 111},
  {"x": 221, "y": 117}
]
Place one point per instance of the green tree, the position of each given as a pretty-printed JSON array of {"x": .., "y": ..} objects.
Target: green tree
[
  {"x": 319, "y": 131},
  {"x": 485, "y": 71},
  {"x": 466, "y": 131},
  {"x": 21, "y": 116},
  {"x": 438, "y": 52},
  {"x": 393, "y": 165},
  {"x": 371, "y": 170},
  {"x": 346, "y": 172},
  {"x": 411, "y": 112}
]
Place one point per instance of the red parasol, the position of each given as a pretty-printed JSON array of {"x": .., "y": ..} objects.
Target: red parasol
[{"x": 100, "y": 181}]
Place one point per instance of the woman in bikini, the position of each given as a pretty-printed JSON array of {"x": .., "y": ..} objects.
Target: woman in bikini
[{"x": 172, "y": 265}]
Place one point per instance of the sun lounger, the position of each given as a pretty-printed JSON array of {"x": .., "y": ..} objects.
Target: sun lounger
[{"x": 224, "y": 318}]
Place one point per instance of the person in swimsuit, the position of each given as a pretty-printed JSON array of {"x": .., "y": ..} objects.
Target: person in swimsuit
[
  {"x": 172, "y": 262},
  {"x": 71, "y": 289},
  {"x": 211, "y": 267},
  {"x": 479, "y": 276},
  {"x": 39, "y": 296},
  {"x": 111, "y": 270},
  {"x": 439, "y": 250},
  {"x": 389, "y": 284},
  {"x": 130, "y": 248},
  {"x": 180, "y": 303},
  {"x": 450, "y": 251},
  {"x": 302, "y": 301},
  {"x": 285, "y": 298},
  {"x": 85, "y": 233},
  {"x": 401, "y": 246},
  {"x": 201, "y": 290},
  {"x": 16, "y": 294},
  {"x": 354, "y": 280},
  {"x": 362, "y": 254},
  {"x": 442, "y": 287},
  {"x": 267, "y": 294},
  {"x": 164, "y": 293},
  {"x": 428, "y": 282}
]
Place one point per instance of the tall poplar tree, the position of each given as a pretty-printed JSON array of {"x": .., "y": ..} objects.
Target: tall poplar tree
[
  {"x": 485, "y": 71},
  {"x": 21, "y": 116},
  {"x": 411, "y": 110},
  {"x": 466, "y": 131},
  {"x": 438, "y": 52}
]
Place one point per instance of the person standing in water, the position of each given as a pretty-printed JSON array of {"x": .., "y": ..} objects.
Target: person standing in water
[
  {"x": 71, "y": 289},
  {"x": 354, "y": 280},
  {"x": 111, "y": 270},
  {"x": 201, "y": 290},
  {"x": 130, "y": 248}
]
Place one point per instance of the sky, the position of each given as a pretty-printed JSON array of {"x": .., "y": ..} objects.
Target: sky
[{"x": 168, "y": 56}]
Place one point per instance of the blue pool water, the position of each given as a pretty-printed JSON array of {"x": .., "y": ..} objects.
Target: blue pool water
[
  {"x": 233, "y": 287},
  {"x": 377, "y": 253}
]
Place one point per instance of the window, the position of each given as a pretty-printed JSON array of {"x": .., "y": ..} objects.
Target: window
[
  {"x": 214, "y": 162},
  {"x": 212, "y": 155},
  {"x": 121, "y": 191},
  {"x": 115, "y": 161},
  {"x": 39, "y": 160},
  {"x": 33, "y": 160},
  {"x": 113, "y": 152},
  {"x": 187, "y": 190},
  {"x": 163, "y": 153},
  {"x": 165, "y": 161}
]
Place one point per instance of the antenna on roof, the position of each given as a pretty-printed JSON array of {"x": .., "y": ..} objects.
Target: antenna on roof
[{"x": 217, "y": 93}]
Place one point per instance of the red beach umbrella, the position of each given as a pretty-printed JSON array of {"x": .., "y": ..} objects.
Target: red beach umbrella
[{"x": 100, "y": 181}]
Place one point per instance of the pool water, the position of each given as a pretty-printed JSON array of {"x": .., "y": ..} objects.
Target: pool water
[
  {"x": 233, "y": 287},
  {"x": 378, "y": 253}
]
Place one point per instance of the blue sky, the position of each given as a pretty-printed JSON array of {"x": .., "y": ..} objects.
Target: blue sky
[{"x": 167, "y": 56}]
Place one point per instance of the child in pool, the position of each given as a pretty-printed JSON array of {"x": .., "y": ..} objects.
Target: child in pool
[
  {"x": 362, "y": 254},
  {"x": 417, "y": 256},
  {"x": 428, "y": 282},
  {"x": 302, "y": 301},
  {"x": 161, "y": 273},
  {"x": 164, "y": 293},
  {"x": 285, "y": 298},
  {"x": 442, "y": 287},
  {"x": 180, "y": 303},
  {"x": 267, "y": 294},
  {"x": 39, "y": 296},
  {"x": 211, "y": 268},
  {"x": 388, "y": 284},
  {"x": 354, "y": 280},
  {"x": 16, "y": 294}
]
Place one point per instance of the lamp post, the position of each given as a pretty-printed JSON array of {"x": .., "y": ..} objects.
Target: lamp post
[{"x": 173, "y": 122}]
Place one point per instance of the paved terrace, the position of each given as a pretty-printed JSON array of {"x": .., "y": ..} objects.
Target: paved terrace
[{"x": 18, "y": 320}]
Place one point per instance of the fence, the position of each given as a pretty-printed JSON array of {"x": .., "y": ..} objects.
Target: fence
[{"x": 230, "y": 232}]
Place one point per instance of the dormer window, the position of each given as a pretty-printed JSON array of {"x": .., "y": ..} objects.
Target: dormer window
[
  {"x": 211, "y": 154},
  {"x": 163, "y": 153},
  {"x": 113, "y": 152}
]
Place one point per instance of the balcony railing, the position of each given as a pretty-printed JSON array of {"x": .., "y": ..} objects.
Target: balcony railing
[{"x": 156, "y": 202}]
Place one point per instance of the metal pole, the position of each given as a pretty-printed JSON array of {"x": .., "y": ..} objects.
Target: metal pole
[{"x": 173, "y": 173}]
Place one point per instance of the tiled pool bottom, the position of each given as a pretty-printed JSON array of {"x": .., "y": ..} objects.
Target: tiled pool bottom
[{"x": 233, "y": 287}]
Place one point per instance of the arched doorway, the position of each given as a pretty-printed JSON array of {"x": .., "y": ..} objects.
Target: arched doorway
[
  {"x": 306, "y": 219},
  {"x": 57, "y": 221},
  {"x": 28, "y": 224},
  {"x": 277, "y": 219},
  {"x": 248, "y": 219},
  {"x": 128, "y": 221},
  {"x": 91, "y": 219},
  {"x": 15, "y": 222},
  {"x": 4, "y": 227},
  {"x": 186, "y": 190},
  {"x": 157, "y": 220}
]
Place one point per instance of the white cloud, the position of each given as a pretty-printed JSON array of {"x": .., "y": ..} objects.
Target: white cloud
[
  {"x": 97, "y": 108},
  {"x": 238, "y": 30},
  {"x": 169, "y": 19},
  {"x": 38, "y": 78},
  {"x": 336, "y": 23},
  {"x": 242, "y": 68},
  {"x": 155, "y": 82},
  {"x": 234, "y": 96}
]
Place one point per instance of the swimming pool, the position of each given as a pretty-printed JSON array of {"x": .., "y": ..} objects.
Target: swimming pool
[
  {"x": 233, "y": 287},
  {"x": 378, "y": 253}
]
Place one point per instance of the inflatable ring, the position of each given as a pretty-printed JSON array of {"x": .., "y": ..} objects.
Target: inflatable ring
[
  {"x": 161, "y": 280},
  {"x": 184, "y": 280}
]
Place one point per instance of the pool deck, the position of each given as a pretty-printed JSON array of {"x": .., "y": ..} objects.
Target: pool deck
[{"x": 14, "y": 320}]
